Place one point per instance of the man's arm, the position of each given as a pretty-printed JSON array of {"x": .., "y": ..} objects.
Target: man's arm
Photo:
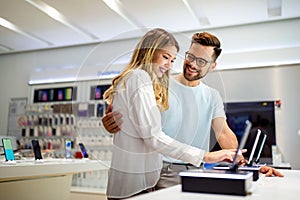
[
  {"x": 112, "y": 120},
  {"x": 225, "y": 136}
]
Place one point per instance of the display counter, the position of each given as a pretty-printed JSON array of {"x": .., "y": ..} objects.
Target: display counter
[
  {"x": 51, "y": 179},
  {"x": 274, "y": 188}
]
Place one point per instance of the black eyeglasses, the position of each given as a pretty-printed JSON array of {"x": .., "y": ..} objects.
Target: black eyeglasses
[{"x": 199, "y": 61}]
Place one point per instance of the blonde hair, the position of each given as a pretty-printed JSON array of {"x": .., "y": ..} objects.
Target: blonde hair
[{"x": 142, "y": 57}]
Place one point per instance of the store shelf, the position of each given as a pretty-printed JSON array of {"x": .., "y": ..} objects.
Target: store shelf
[{"x": 89, "y": 190}]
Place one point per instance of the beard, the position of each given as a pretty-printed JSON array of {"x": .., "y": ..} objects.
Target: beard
[{"x": 198, "y": 76}]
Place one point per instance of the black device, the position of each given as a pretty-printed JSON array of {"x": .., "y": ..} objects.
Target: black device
[
  {"x": 209, "y": 181},
  {"x": 250, "y": 160},
  {"x": 8, "y": 149},
  {"x": 257, "y": 147},
  {"x": 261, "y": 148},
  {"x": 262, "y": 116},
  {"x": 36, "y": 150},
  {"x": 83, "y": 150}
]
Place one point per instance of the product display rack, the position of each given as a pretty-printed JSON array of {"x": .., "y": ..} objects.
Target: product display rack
[{"x": 73, "y": 111}]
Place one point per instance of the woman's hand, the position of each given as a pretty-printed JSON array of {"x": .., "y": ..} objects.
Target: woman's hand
[{"x": 221, "y": 155}]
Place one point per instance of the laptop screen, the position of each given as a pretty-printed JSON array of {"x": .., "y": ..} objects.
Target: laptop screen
[
  {"x": 242, "y": 142},
  {"x": 250, "y": 160},
  {"x": 257, "y": 147}
]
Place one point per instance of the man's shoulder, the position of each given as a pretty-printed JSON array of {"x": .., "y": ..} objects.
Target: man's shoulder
[{"x": 209, "y": 88}]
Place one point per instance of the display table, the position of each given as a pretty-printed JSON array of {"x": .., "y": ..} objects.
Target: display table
[
  {"x": 46, "y": 180},
  {"x": 274, "y": 188}
]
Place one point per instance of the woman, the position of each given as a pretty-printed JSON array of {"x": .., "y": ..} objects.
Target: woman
[{"x": 140, "y": 92}]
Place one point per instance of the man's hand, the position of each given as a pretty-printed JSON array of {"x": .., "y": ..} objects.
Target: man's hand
[
  {"x": 270, "y": 171},
  {"x": 112, "y": 120},
  {"x": 242, "y": 161}
]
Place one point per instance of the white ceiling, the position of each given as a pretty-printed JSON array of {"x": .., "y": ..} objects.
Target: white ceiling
[{"x": 28, "y": 27}]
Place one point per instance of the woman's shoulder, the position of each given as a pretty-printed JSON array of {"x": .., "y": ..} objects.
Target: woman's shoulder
[
  {"x": 139, "y": 74},
  {"x": 138, "y": 79}
]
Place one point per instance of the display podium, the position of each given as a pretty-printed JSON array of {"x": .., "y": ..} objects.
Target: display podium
[
  {"x": 274, "y": 188},
  {"x": 48, "y": 180}
]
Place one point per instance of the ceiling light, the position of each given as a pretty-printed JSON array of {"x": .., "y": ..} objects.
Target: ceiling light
[
  {"x": 199, "y": 16},
  {"x": 7, "y": 24},
  {"x": 120, "y": 9},
  {"x": 5, "y": 48},
  {"x": 56, "y": 15}
]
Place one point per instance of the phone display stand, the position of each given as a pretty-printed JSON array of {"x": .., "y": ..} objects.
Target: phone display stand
[{"x": 206, "y": 181}]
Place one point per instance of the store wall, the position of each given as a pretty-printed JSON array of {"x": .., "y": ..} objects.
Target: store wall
[{"x": 261, "y": 46}]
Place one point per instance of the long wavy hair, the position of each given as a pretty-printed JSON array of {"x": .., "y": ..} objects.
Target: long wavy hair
[{"x": 142, "y": 58}]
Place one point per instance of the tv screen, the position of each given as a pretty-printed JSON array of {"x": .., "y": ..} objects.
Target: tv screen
[
  {"x": 98, "y": 91},
  {"x": 55, "y": 94},
  {"x": 262, "y": 116}
]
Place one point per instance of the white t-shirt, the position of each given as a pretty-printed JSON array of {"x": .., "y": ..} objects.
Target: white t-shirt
[
  {"x": 190, "y": 114},
  {"x": 136, "y": 160}
]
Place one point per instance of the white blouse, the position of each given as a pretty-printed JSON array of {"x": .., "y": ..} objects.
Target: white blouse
[{"x": 137, "y": 149}]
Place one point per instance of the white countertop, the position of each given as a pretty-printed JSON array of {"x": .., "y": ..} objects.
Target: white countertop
[
  {"x": 273, "y": 188},
  {"x": 30, "y": 168}
]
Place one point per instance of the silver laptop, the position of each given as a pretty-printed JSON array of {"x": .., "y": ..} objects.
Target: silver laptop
[{"x": 234, "y": 165}]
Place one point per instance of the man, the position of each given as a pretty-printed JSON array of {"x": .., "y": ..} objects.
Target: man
[{"x": 194, "y": 109}]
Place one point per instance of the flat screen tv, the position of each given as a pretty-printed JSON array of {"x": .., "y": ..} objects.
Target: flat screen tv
[{"x": 262, "y": 116}]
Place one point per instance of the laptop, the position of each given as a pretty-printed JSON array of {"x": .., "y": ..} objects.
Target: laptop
[
  {"x": 261, "y": 148},
  {"x": 234, "y": 165},
  {"x": 257, "y": 148},
  {"x": 249, "y": 167}
]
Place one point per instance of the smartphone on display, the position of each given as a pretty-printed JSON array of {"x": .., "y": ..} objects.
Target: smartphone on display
[
  {"x": 83, "y": 150},
  {"x": 36, "y": 150},
  {"x": 68, "y": 148},
  {"x": 8, "y": 150}
]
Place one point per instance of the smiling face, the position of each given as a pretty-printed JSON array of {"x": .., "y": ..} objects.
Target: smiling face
[
  {"x": 191, "y": 71},
  {"x": 163, "y": 60}
]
